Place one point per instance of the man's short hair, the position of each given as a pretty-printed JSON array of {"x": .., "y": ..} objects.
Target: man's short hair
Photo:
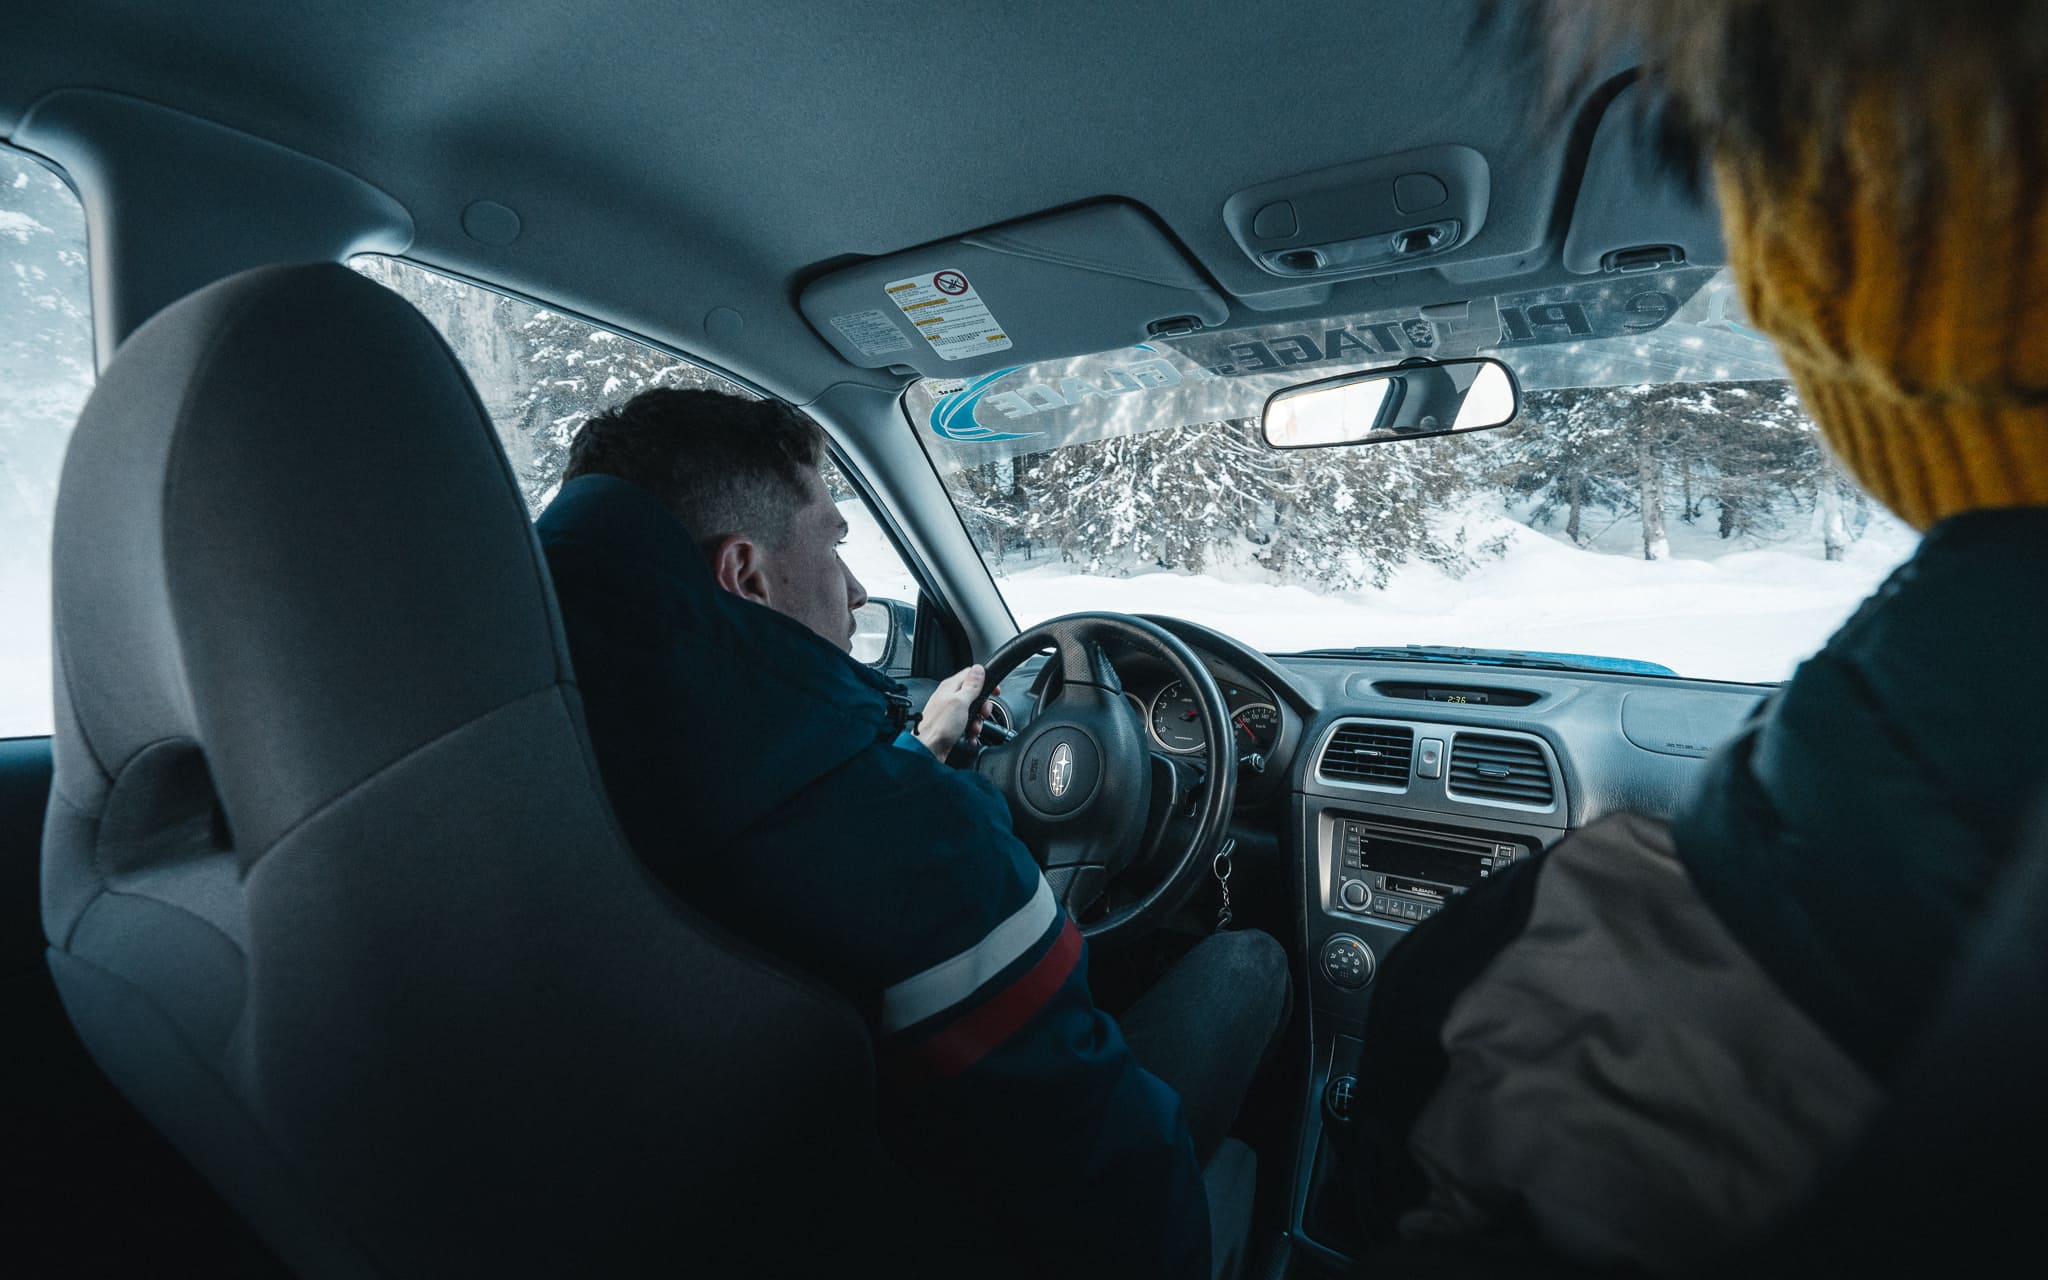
[{"x": 723, "y": 464}]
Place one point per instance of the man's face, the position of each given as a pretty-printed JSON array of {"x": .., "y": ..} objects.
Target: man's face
[{"x": 805, "y": 578}]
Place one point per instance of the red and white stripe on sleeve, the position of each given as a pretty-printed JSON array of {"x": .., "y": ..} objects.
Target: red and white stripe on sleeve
[{"x": 985, "y": 1011}]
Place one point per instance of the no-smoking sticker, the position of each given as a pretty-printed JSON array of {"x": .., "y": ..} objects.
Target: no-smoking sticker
[{"x": 951, "y": 317}]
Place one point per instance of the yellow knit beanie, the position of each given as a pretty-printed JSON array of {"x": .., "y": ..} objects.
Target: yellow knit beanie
[{"x": 1900, "y": 258}]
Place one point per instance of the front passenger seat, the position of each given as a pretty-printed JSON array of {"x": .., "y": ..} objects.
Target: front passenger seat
[{"x": 330, "y": 886}]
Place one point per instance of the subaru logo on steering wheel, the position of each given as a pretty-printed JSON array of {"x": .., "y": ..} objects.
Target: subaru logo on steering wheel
[{"x": 1061, "y": 775}]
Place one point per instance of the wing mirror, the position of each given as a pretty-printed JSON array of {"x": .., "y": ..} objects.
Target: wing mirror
[
  {"x": 1409, "y": 401},
  {"x": 882, "y": 631}
]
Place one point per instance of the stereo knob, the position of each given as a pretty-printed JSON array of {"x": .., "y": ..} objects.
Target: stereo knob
[{"x": 1355, "y": 895}]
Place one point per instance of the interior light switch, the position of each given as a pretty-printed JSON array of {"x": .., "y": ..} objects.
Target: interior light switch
[
  {"x": 1275, "y": 222},
  {"x": 1414, "y": 192},
  {"x": 1429, "y": 758}
]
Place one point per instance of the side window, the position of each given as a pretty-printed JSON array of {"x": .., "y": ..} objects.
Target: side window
[
  {"x": 542, "y": 373},
  {"x": 46, "y": 372},
  {"x": 883, "y": 627}
]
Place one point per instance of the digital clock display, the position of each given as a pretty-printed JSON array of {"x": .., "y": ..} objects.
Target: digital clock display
[{"x": 1474, "y": 697}]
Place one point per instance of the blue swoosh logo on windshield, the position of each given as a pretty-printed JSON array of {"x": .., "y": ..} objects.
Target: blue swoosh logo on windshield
[{"x": 953, "y": 416}]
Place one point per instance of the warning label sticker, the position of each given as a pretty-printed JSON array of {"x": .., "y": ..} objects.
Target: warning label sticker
[
  {"x": 950, "y": 314},
  {"x": 873, "y": 332}
]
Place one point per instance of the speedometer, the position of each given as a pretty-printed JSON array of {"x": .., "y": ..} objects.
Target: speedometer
[
  {"x": 1257, "y": 725},
  {"x": 1177, "y": 719}
]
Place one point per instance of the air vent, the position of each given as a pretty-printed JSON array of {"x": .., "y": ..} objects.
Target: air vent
[
  {"x": 1510, "y": 769},
  {"x": 1373, "y": 753}
]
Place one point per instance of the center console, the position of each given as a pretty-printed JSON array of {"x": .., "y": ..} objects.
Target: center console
[{"x": 1435, "y": 812}]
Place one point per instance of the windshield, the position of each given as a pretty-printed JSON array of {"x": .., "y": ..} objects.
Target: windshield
[{"x": 1662, "y": 496}]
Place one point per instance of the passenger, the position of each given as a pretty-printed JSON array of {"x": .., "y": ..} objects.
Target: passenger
[
  {"x": 755, "y": 770},
  {"x": 1647, "y": 1046}
]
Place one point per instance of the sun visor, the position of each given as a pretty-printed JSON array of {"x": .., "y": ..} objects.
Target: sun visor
[
  {"x": 1043, "y": 288},
  {"x": 1633, "y": 213}
]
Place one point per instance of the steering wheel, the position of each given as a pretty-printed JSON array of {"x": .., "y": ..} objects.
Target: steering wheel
[{"x": 1086, "y": 795}]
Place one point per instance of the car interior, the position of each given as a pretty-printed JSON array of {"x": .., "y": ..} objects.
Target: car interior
[{"x": 325, "y": 953}]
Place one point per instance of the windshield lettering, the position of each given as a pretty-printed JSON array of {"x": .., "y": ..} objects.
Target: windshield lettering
[
  {"x": 1518, "y": 325},
  {"x": 1118, "y": 380}
]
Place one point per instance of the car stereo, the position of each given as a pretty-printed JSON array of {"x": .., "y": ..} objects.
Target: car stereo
[{"x": 1409, "y": 873}]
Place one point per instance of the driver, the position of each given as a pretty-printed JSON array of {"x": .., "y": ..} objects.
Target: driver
[{"x": 755, "y": 769}]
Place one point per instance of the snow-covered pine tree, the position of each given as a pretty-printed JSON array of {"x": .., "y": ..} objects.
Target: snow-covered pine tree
[
  {"x": 1566, "y": 454},
  {"x": 540, "y": 373},
  {"x": 576, "y": 369},
  {"x": 1181, "y": 498},
  {"x": 1386, "y": 508}
]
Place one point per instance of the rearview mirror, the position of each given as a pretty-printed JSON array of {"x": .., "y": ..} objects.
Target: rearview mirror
[{"x": 1406, "y": 402}]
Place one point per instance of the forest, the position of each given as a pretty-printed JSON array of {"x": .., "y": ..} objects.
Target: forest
[{"x": 1741, "y": 459}]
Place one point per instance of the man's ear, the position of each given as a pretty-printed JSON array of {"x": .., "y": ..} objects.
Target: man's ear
[{"x": 739, "y": 565}]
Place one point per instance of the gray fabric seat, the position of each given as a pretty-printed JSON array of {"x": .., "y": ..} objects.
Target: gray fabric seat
[{"x": 330, "y": 886}]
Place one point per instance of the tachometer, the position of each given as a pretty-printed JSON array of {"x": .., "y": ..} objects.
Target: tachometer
[{"x": 1176, "y": 719}]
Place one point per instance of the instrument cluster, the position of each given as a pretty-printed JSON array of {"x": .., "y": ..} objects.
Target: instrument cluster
[{"x": 1173, "y": 718}]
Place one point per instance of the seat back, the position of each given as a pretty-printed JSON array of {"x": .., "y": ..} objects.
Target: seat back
[
  {"x": 1947, "y": 1170},
  {"x": 330, "y": 886}
]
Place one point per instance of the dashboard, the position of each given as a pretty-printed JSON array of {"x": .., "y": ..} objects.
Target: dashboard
[
  {"x": 1385, "y": 789},
  {"x": 1604, "y": 741}
]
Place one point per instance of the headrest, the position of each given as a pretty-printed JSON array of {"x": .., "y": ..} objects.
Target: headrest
[{"x": 286, "y": 533}]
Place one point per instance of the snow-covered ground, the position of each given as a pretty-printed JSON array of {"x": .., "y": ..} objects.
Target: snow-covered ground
[{"x": 1749, "y": 614}]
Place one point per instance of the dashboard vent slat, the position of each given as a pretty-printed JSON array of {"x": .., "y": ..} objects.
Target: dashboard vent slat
[
  {"x": 1379, "y": 754},
  {"x": 1489, "y": 768}
]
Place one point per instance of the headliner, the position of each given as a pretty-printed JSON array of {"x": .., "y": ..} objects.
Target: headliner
[{"x": 668, "y": 159}]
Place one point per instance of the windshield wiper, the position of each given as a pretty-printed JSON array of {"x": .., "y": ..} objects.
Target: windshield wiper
[{"x": 1495, "y": 658}]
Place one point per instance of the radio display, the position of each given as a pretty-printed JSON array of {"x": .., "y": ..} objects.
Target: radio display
[
  {"x": 1439, "y": 867},
  {"x": 1420, "y": 888}
]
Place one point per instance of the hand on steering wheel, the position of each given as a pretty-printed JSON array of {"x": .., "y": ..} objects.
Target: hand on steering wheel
[
  {"x": 955, "y": 711},
  {"x": 1081, "y": 782}
]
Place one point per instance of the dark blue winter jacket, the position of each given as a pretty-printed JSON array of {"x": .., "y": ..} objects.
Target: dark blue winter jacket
[{"x": 754, "y": 770}]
